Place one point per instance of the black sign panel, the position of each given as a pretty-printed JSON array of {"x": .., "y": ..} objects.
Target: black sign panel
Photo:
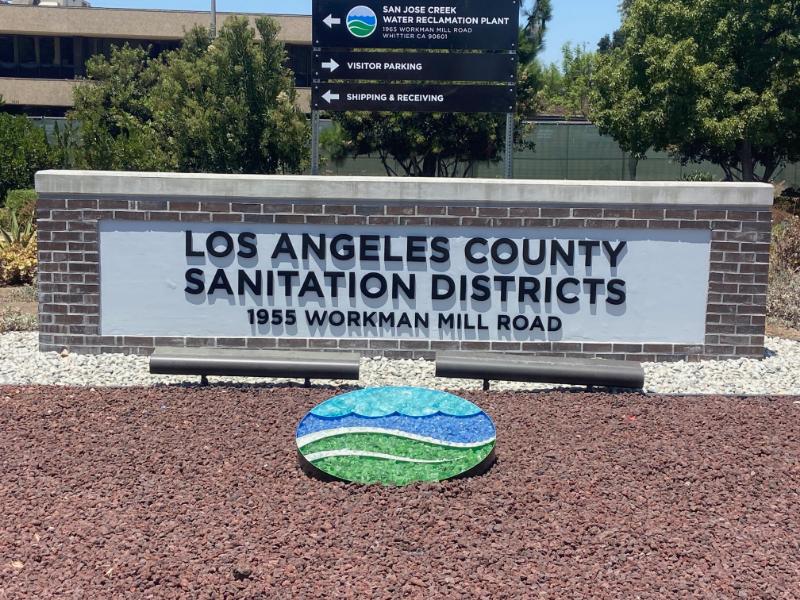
[
  {"x": 424, "y": 24},
  {"x": 412, "y": 97},
  {"x": 416, "y": 66}
]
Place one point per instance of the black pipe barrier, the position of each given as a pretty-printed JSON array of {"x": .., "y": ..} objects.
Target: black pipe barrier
[
  {"x": 255, "y": 363},
  {"x": 542, "y": 369}
]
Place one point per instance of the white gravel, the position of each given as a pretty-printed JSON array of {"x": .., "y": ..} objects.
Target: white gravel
[{"x": 779, "y": 373}]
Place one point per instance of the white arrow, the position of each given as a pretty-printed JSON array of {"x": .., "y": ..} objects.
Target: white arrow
[
  {"x": 329, "y": 96},
  {"x": 330, "y": 21},
  {"x": 331, "y": 64}
]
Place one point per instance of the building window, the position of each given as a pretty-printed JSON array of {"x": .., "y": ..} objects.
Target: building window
[
  {"x": 299, "y": 61},
  {"x": 47, "y": 51},
  {"x": 7, "y": 49},
  {"x": 65, "y": 57},
  {"x": 26, "y": 50},
  {"x": 67, "y": 52}
]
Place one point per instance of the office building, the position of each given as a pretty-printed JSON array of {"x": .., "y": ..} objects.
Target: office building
[{"x": 44, "y": 46}]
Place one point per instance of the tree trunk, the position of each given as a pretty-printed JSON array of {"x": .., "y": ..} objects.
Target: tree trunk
[
  {"x": 429, "y": 165},
  {"x": 746, "y": 157},
  {"x": 633, "y": 164}
]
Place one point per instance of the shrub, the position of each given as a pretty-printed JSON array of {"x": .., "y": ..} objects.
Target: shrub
[
  {"x": 23, "y": 151},
  {"x": 783, "y": 298},
  {"x": 785, "y": 251},
  {"x": 23, "y": 293},
  {"x": 697, "y": 176},
  {"x": 18, "y": 252},
  {"x": 15, "y": 320},
  {"x": 19, "y": 232},
  {"x": 18, "y": 263},
  {"x": 789, "y": 204},
  {"x": 20, "y": 202}
]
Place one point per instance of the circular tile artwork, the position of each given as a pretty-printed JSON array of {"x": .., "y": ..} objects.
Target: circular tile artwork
[{"x": 395, "y": 436}]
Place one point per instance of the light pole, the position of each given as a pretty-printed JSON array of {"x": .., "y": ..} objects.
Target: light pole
[{"x": 213, "y": 19}]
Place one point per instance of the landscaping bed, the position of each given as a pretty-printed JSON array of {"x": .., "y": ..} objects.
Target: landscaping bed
[{"x": 190, "y": 492}]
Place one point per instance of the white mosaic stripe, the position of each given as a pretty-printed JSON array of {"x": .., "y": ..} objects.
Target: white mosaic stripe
[
  {"x": 345, "y": 452},
  {"x": 326, "y": 433}
]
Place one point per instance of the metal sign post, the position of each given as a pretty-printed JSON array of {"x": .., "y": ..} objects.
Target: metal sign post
[
  {"x": 315, "y": 142},
  {"x": 509, "y": 154},
  {"x": 213, "y": 19}
]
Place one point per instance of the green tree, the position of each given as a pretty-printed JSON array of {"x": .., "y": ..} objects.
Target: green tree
[
  {"x": 551, "y": 88},
  {"x": 117, "y": 127},
  {"x": 23, "y": 151},
  {"x": 531, "y": 34},
  {"x": 568, "y": 89},
  {"x": 445, "y": 144},
  {"x": 715, "y": 81},
  {"x": 231, "y": 107},
  {"x": 620, "y": 107},
  {"x": 225, "y": 107},
  {"x": 578, "y": 66}
]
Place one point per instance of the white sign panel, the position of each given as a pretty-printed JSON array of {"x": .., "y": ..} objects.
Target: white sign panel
[{"x": 309, "y": 281}]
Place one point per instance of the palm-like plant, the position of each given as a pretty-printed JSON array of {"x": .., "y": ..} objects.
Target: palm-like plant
[
  {"x": 17, "y": 233},
  {"x": 535, "y": 19}
]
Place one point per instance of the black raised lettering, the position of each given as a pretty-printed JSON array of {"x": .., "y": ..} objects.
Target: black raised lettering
[
  {"x": 220, "y": 282},
  {"x": 190, "y": 251},
  {"x": 244, "y": 281},
  {"x": 526, "y": 253},
  {"x": 470, "y": 255},
  {"x": 480, "y": 288},
  {"x": 588, "y": 247},
  {"x": 309, "y": 246},
  {"x": 436, "y": 293},
  {"x": 561, "y": 295},
  {"x": 342, "y": 247},
  {"x": 310, "y": 285},
  {"x": 247, "y": 245},
  {"x": 227, "y": 244},
  {"x": 513, "y": 251},
  {"x": 614, "y": 253},
  {"x": 593, "y": 285},
  {"x": 365, "y": 285},
  {"x": 409, "y": 289},
  {"x": 616, "y": 292},
  {"x": 194, "y": 280},
  {"x": 415, "y": 248},
  {"x": 557, "y": 251},
  {"x": 284, "y": 246},
  {"x": 440, "y": 247},
  {"x": 368, "y": 247}
]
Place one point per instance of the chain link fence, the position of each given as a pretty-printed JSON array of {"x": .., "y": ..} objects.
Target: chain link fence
[{"x": 563, "y": 150}]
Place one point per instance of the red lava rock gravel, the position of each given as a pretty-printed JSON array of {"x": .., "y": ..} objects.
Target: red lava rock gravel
[{"x": 195, "y": 493}]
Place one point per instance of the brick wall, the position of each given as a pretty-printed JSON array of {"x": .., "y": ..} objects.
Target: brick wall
[{"x": 69, "y": 291}]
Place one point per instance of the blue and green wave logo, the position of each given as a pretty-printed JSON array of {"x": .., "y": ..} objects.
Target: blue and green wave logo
[
  {"x": 361, "y": 21},
  {"x": 395, "y": 436}
]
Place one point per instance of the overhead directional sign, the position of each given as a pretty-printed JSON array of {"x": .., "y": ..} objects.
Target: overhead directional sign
[
  {"x": 423, "y": 24},
  {"x": 416, "y": 66},
  {"x": 412, "y": 97}
]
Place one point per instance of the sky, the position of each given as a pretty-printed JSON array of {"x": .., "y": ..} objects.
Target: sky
[{"x": 576, "y": 21}]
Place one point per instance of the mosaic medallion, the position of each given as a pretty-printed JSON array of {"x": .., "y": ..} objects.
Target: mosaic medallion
[{"x": 395, "y": 436}]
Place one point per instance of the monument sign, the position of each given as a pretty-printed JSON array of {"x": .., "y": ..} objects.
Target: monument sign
[{"x": 404, "y": 267}]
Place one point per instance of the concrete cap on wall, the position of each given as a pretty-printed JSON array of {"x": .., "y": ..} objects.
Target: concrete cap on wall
[{"x": 420, "y": 190}]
